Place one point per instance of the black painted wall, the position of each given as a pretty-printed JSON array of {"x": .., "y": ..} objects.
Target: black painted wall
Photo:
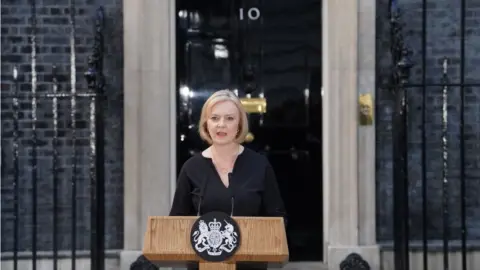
[
  {"x": 443, "y": 40},
  {"x": 53, "y": 49}
]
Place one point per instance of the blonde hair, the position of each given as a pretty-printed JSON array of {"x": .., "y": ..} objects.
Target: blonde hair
[{"x": 219, "y": 96}]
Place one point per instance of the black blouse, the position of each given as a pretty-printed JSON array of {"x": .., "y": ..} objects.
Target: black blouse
[{"x": 252, "y": 191}]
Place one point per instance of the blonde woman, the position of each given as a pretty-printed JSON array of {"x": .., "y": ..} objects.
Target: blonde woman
[{"x": 209, "y": 180}]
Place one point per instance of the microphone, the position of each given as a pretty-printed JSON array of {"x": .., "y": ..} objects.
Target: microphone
[
  {"x": 200, "y": 196},
  {"x": 232, "y": 200}
]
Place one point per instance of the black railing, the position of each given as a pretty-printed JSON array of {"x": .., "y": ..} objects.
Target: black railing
[
  {"x": 96, "y": 82},
  {"x": 401, "y": 86},
  {"x": 400, "y": 75},
  {"x": 25, "y": 139}
]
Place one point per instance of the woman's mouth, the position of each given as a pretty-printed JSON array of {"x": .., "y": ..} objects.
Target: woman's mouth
[{"x": 221, "y": 134}]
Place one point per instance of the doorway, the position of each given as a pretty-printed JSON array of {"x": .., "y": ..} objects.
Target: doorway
[{"x": 270, "y": 49}]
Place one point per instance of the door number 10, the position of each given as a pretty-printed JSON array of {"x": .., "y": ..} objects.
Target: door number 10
[{"x": 252, "y": 14}]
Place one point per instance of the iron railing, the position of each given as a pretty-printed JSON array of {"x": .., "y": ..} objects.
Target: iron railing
[
  {"x": 63, "y": 133},
  {"x": 403, "y": 113}
]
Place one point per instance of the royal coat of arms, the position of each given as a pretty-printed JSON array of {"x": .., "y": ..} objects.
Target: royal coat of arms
[{"x": 215, "y": 236}]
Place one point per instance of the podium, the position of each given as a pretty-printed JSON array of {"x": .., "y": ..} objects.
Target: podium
[{"x": 167, "y": 242}]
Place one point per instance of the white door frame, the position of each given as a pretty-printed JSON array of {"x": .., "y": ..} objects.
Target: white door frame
[{"x": 150, "y": 121}]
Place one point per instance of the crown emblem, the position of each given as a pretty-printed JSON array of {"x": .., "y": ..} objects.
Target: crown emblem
[{"x": 215, "y": 225}]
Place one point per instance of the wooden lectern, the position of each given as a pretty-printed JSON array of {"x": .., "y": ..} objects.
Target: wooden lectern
[{"x": 263, "y": 239}]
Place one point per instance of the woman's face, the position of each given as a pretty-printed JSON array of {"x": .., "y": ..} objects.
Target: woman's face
[{"x": 223, "y": 122}]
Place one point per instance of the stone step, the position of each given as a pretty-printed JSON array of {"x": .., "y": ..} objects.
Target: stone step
[{"x": 305, "y": 266}]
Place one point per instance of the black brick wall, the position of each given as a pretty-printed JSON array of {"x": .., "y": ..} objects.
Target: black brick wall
[
  {"x": 53, "y": 49},
  {"x": 443, "y": 40}
]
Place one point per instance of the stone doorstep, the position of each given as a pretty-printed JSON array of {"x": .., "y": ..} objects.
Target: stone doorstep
[
  {"x": 291, "y": 266},
  {"x": 305, "y": 266},
  {"x": 296, "y": 266}
]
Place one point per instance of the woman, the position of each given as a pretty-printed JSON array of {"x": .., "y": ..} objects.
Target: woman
[{"x": 209, "y": 180}]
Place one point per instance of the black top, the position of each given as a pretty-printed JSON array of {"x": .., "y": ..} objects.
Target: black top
[{"x": 252, "y": 191}]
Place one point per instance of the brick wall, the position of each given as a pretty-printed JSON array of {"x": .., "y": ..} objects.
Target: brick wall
[
  {"x": 53, "y": 49},
  {"x": 443, "y": 40}
]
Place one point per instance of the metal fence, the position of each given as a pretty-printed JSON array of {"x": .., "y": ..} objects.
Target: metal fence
[
  {"x": 401, "y": 85},
  {"x": 94, "y": 95}
]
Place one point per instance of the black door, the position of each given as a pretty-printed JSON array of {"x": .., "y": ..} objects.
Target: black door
[{"x": 271, "y": 49}]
